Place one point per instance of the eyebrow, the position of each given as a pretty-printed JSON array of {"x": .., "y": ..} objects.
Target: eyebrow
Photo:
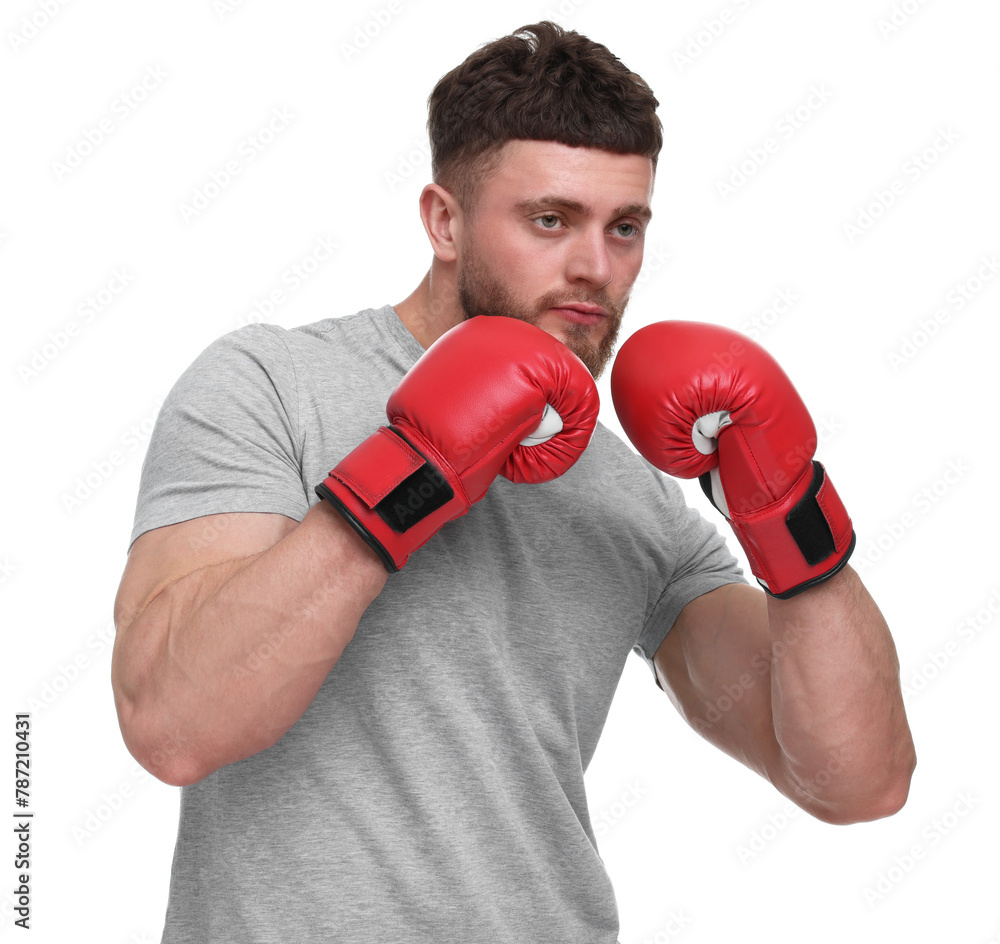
[{"x": 538, "y": 204}]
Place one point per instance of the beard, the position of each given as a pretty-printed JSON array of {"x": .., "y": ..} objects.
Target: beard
[{"x": 480, "y": 292}]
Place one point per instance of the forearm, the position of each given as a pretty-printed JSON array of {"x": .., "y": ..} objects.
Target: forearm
[
  {"x": 836, "y": 703},
  {"x": 225, "y": 660}
]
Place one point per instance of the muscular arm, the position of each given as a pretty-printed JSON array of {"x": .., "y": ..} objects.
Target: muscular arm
[
  {"x": 227, "y": 626},
  {"x": 804, "y": 691}
]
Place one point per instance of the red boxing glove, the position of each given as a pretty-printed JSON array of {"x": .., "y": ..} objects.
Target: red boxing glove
[
  {"x": 701, "y": 400},
  {"x": 492, "y": 396}
]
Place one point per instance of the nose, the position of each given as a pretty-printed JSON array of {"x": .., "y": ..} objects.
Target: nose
[{"x": 588, "y": 259}]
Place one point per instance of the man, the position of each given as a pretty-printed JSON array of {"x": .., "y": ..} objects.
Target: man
[{"x": 379, "y": 657}]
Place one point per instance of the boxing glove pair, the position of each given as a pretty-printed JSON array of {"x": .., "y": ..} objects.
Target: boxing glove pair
[{"x": 497, "y": 396}]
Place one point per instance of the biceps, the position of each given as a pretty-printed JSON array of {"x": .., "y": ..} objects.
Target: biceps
[
  {"x": 165, "y": 555},
  {"x": 715, "y": 665}
]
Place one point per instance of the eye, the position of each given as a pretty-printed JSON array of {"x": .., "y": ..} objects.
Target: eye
[
  {"x": 627, "y": 230},
  {"x": 548, "y": 221}
]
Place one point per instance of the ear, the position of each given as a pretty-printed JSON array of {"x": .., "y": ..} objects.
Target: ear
[{"x": 442, "y": 219}]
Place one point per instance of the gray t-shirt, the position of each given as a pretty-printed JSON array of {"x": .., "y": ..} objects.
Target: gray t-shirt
[{"x": 434, "y": 789}]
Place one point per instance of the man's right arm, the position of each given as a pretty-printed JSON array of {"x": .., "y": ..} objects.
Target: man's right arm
[
  {"x": 228, "y": 624},
  {"x": 223, "y": 641}
]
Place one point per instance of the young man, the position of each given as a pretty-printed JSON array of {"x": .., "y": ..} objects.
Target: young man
[{"x": 381, "y": 704}]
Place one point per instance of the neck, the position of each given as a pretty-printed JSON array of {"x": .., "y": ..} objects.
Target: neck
[{"x": 432, "y": 307}]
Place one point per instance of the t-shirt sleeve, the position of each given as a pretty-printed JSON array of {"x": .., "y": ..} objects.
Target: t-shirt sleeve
[
  {"x": 703, "y": 562},
  {"x": 227, "y": 436}
]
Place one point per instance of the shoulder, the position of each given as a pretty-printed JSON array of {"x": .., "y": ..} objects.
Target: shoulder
[
  {"x": 274, "y": 350},
  {"x": 367, "y": 324},
  {"x": 263, "y": 343}
]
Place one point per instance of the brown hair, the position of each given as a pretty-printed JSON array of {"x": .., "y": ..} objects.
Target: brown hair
[{"x": 540, "y": 83}]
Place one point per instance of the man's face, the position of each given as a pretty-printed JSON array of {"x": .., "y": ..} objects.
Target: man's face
[{"x": 556, "y": 239}]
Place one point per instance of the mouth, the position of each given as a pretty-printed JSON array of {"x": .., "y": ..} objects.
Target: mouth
[{"x": 581, "y": 313}]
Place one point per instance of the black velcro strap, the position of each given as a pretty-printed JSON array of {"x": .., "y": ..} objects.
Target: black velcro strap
[
  {"x": 705, "y": 481},
  {"x": 417, "y": 496},
  {"x": 808, "y": 525}
]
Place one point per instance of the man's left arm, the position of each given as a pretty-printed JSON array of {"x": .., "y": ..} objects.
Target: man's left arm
[
  {"x": 801, "y": 684},
  {"x": 805, "y": 691}
]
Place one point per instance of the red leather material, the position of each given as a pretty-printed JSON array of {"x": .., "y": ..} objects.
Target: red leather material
[
  {"x": 775, "y": 557},
  {"x": 482, "y": 387},
  {"x": 669, "y": 374},
  {"x": 377, "y": 466},
  {"x": 464, "y": 408}
]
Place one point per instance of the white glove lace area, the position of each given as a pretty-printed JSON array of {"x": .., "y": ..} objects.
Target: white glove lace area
[
  {"x": 704, "y": 435},
  {"x": 705, "y": 430},
  {"x": 549, "y": 426}
]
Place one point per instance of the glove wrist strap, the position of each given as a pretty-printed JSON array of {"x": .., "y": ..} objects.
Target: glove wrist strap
[
  {"x": 803, "y": 539},
  {"x": 393, "y": 495}
]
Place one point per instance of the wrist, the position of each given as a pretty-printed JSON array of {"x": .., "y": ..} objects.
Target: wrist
[
  {"x": 802, "y": 539},
  {"x": 396, "y": 492},
  {"x": 347, "y": 553}
]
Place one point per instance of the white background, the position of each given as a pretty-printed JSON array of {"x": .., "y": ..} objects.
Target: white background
[{"x": 700, "y": 850}]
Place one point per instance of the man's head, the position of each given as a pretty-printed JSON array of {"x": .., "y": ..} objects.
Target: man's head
[
  {"x": 540, "y": 83},
  {"x": 544, "y": 148}
]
